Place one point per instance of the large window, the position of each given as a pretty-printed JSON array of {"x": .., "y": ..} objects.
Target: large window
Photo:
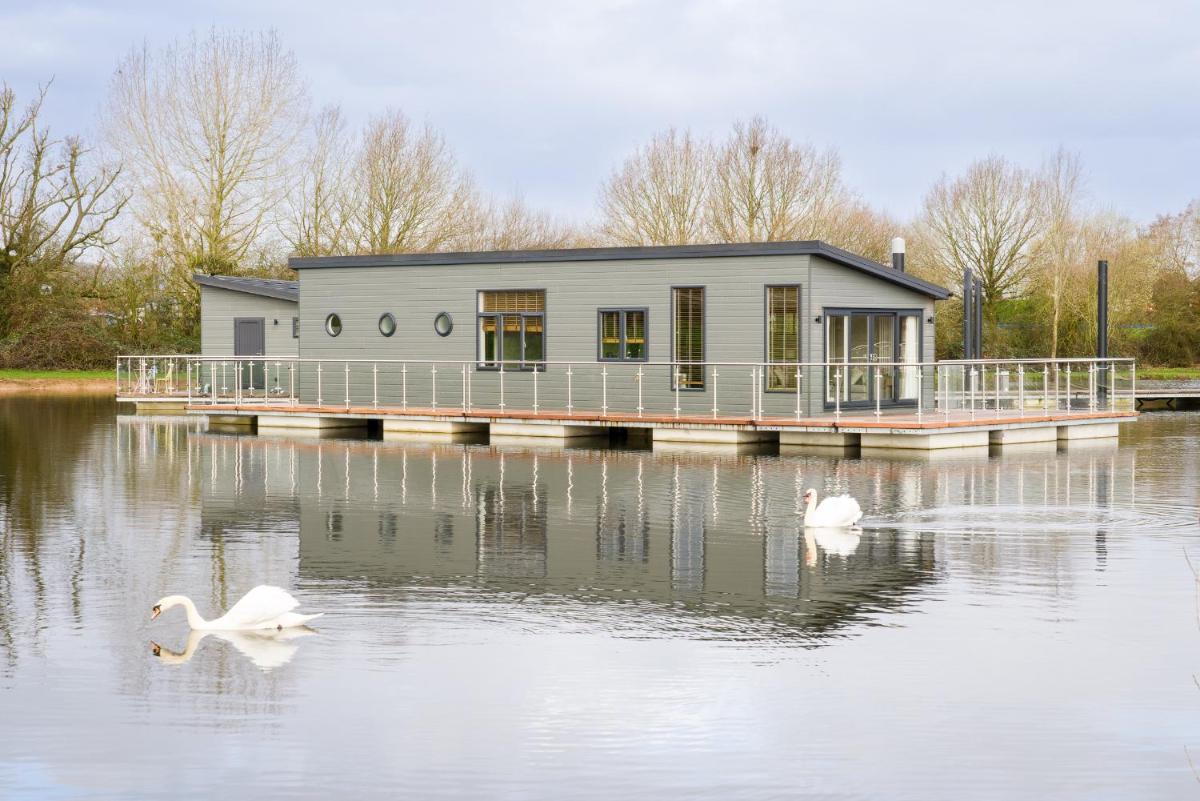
[
  {"x": 512, "y": 330},
  {"x": 861, "y": 340},
  {"x": 783, "y": 336},
  {"x": 687, "y": 336},
  {"x": 623, "y": 335}
]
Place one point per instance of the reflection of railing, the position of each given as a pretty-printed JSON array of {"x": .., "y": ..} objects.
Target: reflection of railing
[{"x": 760, "y": 391}]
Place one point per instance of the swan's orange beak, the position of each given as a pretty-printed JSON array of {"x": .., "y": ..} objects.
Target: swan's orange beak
[
  {"x": 155, "y": 612},
  {"x": 155, "y": 649}
]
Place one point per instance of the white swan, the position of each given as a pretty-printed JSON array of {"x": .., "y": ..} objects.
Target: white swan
[
  {"x": 837, "y": 512},
  {"x": 267, "y": 649},
  {"x": 264, "y": 607}
]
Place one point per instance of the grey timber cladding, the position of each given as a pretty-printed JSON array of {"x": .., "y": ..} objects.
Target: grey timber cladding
[
  {"x": 220, "y": 307},
  {"x": 734, "y": 299}
]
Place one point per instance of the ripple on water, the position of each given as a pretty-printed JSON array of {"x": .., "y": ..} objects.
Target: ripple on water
[{"x": 1150, "y": 516}]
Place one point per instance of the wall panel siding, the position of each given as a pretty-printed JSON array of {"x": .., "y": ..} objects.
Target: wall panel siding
[
  {"x": 220, "y": 307},
  {"x": 734, "y": 300}
]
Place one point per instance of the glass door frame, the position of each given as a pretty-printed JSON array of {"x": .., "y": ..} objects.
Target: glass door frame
[{"x": 897, "y": 316}]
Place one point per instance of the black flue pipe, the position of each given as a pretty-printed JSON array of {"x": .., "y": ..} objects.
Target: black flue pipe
[
  {"x": 968, "y": 296},
  {"x": 1102, "y": 310},
  {"x": 978, "y": 338},
  {"x": 1102, "y": 326}
]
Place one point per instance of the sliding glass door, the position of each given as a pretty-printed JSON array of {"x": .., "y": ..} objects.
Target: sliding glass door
[{"x": 860, "y": 340}]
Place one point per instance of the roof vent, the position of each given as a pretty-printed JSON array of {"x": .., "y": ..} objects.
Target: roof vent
[{"x": 898, "y": 253}]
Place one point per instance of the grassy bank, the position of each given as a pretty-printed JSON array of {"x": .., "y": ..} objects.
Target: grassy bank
[
  {"x": 57, "y": 375},
  {"x": 1168, "y": 373},
  {"x": 62, "y": 381}
]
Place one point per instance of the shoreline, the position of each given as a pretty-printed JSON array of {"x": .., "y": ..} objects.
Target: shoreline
[{"x": 57, "y": 386}]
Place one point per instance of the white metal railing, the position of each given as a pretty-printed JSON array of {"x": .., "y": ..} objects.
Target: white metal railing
[{"x": 760, "y": 391}]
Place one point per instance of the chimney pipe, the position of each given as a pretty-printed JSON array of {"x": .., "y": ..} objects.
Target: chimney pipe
[{"x": 898, "y": 253}]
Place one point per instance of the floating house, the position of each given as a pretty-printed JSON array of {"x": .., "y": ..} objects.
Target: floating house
[{"x": 796, "y": 342}]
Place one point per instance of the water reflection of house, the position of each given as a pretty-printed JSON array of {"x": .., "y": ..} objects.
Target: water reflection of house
[
  {"x": 687, "y": 534},
  {"x": 690, "y": 534}
]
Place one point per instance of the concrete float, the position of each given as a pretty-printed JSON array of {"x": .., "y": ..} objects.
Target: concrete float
[
  {"x": 1023, "y": 436},
  {"x": 1088, "y": 431},
  {"x": 301, "y": 421}
]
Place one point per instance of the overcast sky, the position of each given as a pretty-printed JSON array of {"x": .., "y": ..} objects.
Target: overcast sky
[{"x": 543, "y": 98}]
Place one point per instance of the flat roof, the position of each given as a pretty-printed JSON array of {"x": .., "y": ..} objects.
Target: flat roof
[
  {"x": 267, "y": 287},
  {"x": 809, "y": 248}
]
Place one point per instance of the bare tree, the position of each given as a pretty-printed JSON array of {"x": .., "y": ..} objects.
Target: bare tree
[
  {"x": 54, "y": 204},
  {"x": 205, "y": 127},
  {"x": 657, "y": 196},
  {"x": 852, "y": 225},
  {"x": 408, "y": 193},
  {"x": 767, "y": 188},
  {"x": 512, "y": 225},
  {"x": 989, "y": 219},
  {"x": 1063, "y": 239},
  {"x": 1176, "y": 238},
  {"x": 318, "y": 222}
]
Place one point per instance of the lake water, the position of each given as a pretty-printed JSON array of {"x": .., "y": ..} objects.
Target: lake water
[{"x": 547, "y": 622}]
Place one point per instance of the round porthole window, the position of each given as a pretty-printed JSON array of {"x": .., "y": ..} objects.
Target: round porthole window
[
  {"x": 387, "y": 325},
  {"x": 333, "y": 325},
  {"x": 443, "y": 325}
]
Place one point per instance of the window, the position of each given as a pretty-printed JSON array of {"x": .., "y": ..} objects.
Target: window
[
  {"x": 687, "y": 332},
  {"x": 512, "y": 330},
  {"x": 387, "y": 325},
  {"x": 333, "y": 325},
  {"x": 623, "y": 335},
  {"x": 783, "y": 336},
  {"x": 861, "y": 339},
  {"x": 443, "y": 324},
  {"x": 295, "y": 328}
]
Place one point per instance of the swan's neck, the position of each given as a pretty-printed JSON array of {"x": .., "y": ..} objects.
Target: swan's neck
[
  {"x": 812, "y": 505},
  {"x": 193, "y": 617}
]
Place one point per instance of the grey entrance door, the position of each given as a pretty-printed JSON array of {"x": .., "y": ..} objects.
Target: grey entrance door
[{"x": 249, "y": 339}]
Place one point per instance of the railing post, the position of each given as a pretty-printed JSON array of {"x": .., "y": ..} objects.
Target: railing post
[
  {"x": 1021, "y": 389},
  {"x": 678, "y": 376},
  {"x": 347, "y": 366},
  {"x": 1046, "y": 387},
  {"x": 1068, "y": 387},
  {"x": 464, "y": 388},
  {"x": 878, "y": 388},
  {"x": 189, "y": 383},
  {"x": 837, "y": 394},
  {"x": 759, "y": 380},
  {"x": 973, "y": 376},
  {"x": 501, "y": 386},
  {"x": 570, "y": 390},
  {"x": 319, "y": 395},
  {"x": 470, "y": 375},
  {"x": 292, "y": 367},
  {"x": 640, "y": 375},
  {"x": 604, "y": 391},
  {"x": 433, "y": 386},
  {"x": 375, "y": 385},
  {"x": 798, "y": 392},
  {"x": 714, "y": 380},
  {"x": 1092, "y": 381},
  {"x": 404, "y": 386},
  {"x": 1133, "y": 386},
  {"x": 535, "y": 389},
  {"x": 1112, "y": 386},
  {"x": 920, "y": 390}
]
